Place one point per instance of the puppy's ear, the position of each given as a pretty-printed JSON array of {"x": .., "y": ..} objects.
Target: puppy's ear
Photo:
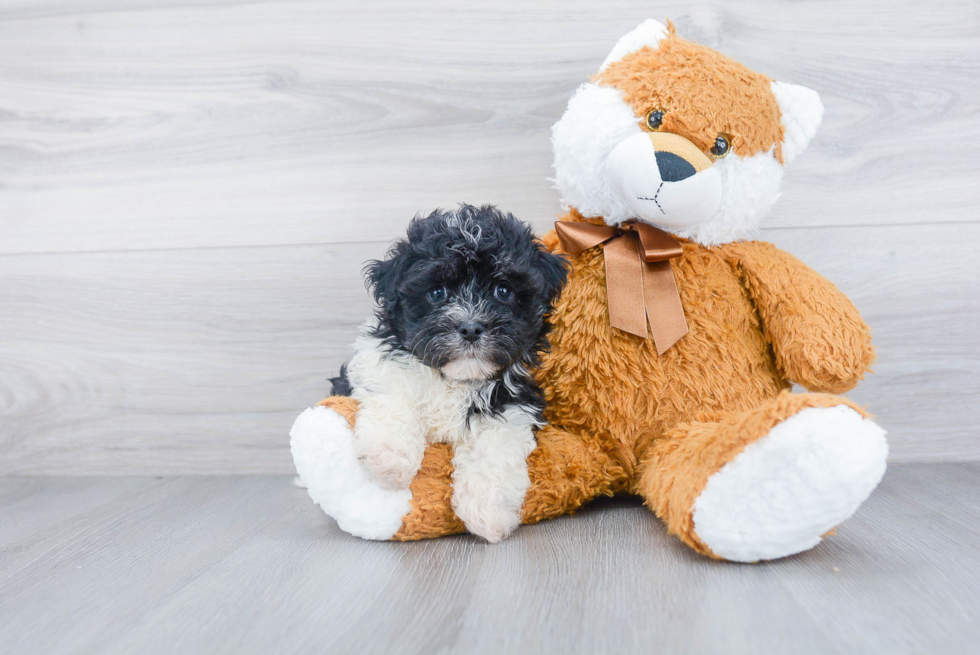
[
  {"x": 554, "y": 273},
  {"x": 384, "y": 275}
]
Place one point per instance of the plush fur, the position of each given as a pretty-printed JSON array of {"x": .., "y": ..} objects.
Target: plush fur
[
  {"x": 462, "y": 302},
  {"x": 708, "y": 433},
  {"x": 821, "y": 463}
]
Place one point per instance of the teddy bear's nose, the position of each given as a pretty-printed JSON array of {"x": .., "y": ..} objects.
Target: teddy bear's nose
[{"x": 673, "y": 168}]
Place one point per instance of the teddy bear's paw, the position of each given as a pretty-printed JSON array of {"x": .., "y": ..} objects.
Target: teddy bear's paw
[
  {"x": 783, "y": 492},
  {"x": 323, "y": 450}
]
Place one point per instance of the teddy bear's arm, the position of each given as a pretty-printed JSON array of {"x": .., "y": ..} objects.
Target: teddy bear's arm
[{"x": 819, "y": 339}]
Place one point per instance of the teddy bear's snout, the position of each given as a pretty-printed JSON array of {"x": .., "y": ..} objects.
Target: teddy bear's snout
[
  {"x": 664, "y": 179},
  {"x": 677, "y": 157}
]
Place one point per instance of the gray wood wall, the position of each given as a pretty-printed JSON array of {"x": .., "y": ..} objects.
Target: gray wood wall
[{"x": 188, "y": 191}]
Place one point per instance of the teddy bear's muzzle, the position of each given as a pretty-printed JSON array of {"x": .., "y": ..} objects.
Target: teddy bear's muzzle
[{"x": 664, "y": 179}]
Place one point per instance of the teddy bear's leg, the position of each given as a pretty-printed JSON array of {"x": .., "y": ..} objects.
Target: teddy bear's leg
[
  {"x": 568, "y": 470},
  {"x": 322, "y": 444},
  {"x": 565, "y": 470},
  {"x": 768, "y": 482}
]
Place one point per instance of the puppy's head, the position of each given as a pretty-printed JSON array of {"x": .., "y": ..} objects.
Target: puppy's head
[{"x": 467, "y": 292}]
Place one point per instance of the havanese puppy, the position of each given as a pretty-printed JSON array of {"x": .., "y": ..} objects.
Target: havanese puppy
[{"x": 462, "y": 302}]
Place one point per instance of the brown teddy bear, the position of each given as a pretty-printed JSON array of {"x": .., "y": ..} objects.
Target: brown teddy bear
[{"x": 675, "y": 342}]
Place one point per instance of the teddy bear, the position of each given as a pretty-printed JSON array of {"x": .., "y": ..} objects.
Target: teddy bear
[{"x": 677, "y": 339}]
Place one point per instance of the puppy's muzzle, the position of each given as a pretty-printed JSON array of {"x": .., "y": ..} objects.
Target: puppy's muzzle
[{"x": 664, "y": 179}]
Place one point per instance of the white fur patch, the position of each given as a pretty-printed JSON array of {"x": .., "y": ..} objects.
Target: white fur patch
[
  {"x": 323, "y": 452},
  {"x": 406, "y": 401},
  {"x": 470, "y": 368},
  {"x": 490, "y": 478},
  {"x": 647, "y": 34},
  {"x": 596, "y": 121},
  {"x": 784, "y": 491},
  {"x": 802, "y": 113},
  {"x": 750, "y": 187},
  {"x": 403, "y": 402}
]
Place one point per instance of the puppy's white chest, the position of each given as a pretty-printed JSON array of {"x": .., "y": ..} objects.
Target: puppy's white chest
[
  {"x": 440, "y": 406},
  {"x": 444, "y": 410}
]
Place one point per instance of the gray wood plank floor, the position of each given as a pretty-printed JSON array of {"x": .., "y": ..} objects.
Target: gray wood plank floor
[{"x": 249, "y": 565}]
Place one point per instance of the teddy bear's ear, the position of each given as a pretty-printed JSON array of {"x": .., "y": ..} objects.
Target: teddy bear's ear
[
  {"x": 648, "y": 33},
  {"x": 802, "y": 112}
]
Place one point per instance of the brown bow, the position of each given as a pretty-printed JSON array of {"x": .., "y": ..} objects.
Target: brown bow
[{"x": 639, "y": 280}]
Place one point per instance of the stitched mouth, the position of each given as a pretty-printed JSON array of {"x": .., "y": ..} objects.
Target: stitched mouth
[{"x": 654, "y": 199}]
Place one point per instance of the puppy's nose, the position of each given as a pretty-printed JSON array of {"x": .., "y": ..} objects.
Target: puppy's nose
[
  {"x": 471, "y": 330},
  {"x": 673, "y": 168}
]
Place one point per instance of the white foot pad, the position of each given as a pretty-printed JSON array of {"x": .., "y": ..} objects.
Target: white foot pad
[
  {"x": 786, "y": 490},
  {"x": 325, "y": 458}
]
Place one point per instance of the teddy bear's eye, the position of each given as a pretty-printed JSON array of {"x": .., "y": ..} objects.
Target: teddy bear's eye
[
  {"x": 721, "y": 147},
  {"x": 655, "y": 119}
]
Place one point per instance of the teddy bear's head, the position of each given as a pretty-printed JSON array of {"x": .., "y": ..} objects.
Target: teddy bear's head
[{"x": 679, "y": 136}]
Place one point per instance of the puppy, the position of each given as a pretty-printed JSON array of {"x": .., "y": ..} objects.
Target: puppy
[{"x": 461, "y": 313}]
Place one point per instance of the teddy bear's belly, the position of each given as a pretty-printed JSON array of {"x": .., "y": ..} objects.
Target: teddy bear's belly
[{"x": 600, "y": 381}]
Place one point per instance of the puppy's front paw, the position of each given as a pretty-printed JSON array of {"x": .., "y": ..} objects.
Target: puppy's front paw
[
  {"x": 389, "y": 449},
  {"x": 490, "y": 475},
  {"x": 393, "y": 465},
  {"x": 487, "y": 515}
]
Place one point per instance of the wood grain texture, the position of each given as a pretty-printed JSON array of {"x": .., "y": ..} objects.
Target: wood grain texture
[
  {"x": 249, "y": 565},
  {"x": 133, "y": 125},
  {"x": 180, "y": 361},
  {"x": 188, "y": 190}
]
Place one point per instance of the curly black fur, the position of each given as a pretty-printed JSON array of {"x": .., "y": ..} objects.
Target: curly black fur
[
  {"x": 469, "y": 254},
  {"x": 340, "y": 385}
]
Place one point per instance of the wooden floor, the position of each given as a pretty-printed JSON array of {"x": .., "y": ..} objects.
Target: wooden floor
[{"x": 248, "y": 565}]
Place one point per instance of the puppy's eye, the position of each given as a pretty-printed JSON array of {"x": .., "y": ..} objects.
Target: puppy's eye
[
  {"x": 437, "y": 295},
  {"x": 502, "y": 292},
  {"x": 721, "y": 147},
  {"x": 655, "y": 119}
]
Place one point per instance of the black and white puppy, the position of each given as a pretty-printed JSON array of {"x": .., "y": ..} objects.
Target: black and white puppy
[{"x": 462, "y": 302}]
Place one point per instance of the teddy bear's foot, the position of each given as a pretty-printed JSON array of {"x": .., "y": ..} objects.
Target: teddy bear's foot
[
  {"x": 786, "y": 490},
  {"x": 323, "y": 450},
  {"x": 766, "y": 482}
]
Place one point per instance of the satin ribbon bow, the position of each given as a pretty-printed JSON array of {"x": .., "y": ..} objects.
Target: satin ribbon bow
[{"x": 639, "y": 280}]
